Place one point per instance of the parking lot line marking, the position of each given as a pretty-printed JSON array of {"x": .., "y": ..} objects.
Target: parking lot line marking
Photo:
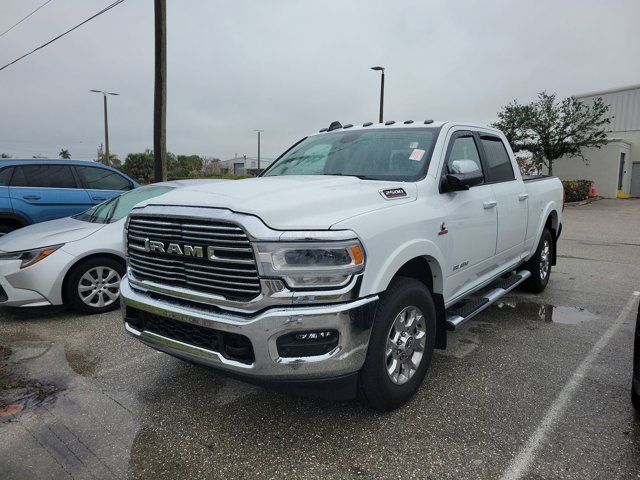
[{"x": 521, "y": 463}]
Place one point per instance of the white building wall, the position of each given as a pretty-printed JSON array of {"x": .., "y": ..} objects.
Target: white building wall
[{"x": 602, "y": 168}]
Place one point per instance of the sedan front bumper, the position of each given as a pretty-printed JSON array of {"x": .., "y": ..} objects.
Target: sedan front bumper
[{"x": 352, "y": 321}]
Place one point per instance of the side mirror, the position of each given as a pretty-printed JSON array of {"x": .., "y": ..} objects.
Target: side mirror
[{"x": 462, "y": 181}]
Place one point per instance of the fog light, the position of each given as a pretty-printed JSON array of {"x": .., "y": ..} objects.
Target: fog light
[{"x": 307, "y": 344}]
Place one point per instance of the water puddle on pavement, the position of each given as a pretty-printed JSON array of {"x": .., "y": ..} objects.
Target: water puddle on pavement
[
  {"x": 548, "y": 313},
  {"x": 18, "y": 393}
]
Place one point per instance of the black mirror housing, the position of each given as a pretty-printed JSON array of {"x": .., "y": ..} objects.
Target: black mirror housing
[{"x": 463, "y": 181}]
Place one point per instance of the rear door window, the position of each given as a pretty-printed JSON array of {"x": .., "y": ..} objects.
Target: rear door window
[
  {"x": 44, "y": 176},
  {"x": 103, "y": 179},
  {"x": 500, "y": 167}
]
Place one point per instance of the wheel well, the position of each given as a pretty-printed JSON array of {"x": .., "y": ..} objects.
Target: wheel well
[
  {"x": 84, "y": 259},
  {"x": 12, "y": 222},
  {"x": 419, "y": 269},
  {"x": 552, "y": 225}
]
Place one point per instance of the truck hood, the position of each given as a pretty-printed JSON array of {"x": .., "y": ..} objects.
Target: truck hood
[
  {"x": 292, "y": 202},
  {"x": 45, "y": 234}
]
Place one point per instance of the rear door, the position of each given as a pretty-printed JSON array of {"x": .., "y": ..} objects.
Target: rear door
[
  {"x": 471, "y": 220},
  {"x": 46, "y": 192},
  {"x": 510, "y": 193},
  {"x": 103, "y": 183}
]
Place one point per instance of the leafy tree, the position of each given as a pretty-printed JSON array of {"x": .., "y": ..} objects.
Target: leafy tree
[
  {"x": 139, "y": 166},
  {"x": 64, "y": 153},
  {"x": 4, "y": 155},
  {"x": 187, "y": 166},
  {"x": 551, "y": 129}
]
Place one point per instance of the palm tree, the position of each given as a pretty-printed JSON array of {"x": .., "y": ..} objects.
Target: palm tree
[{"x": 64, "y": 153}]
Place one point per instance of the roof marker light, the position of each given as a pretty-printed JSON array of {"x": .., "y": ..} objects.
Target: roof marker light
[
  {"x": 368, "y": 124},
  {"x": 389, "y": 122},
  {"x": 427, "y": 122},
  {"x": 407, "y": 122},
  {"x": 348, "y": 125},
  {"x": 322, "y": 130}
]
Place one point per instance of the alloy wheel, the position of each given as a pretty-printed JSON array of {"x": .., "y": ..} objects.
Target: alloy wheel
[
  {"x": 406, "y": 343},
  {"x": 99, "y": 287}
]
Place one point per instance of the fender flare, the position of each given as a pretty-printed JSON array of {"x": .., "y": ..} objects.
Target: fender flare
[
  {"x": 403, "y": 254},
  {"x": 549, "y": 209}
]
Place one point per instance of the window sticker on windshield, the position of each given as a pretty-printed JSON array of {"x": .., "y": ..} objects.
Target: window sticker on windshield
[
  {"x": 413, "y": 145},
  {"x": 416, "y": 155}
]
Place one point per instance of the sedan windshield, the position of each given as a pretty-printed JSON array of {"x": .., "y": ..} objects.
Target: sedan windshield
[
  {"x": 380, "y": 154},
  {"x": 119, "y": 207}
]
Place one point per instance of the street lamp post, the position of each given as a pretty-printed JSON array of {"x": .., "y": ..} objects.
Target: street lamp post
[
  {"x": 107, "y": 158},
  {"x": 381, "y": 70},
  {"x": 259, "y": 132}
]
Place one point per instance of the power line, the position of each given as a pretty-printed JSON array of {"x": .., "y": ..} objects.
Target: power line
[
  {"x": 18, "y": 23},
  {"x": 104, "y": 10}
]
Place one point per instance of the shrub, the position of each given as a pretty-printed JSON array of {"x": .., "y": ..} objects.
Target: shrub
[{"x": 576, "y": 190}]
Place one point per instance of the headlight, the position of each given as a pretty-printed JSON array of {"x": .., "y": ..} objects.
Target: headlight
[
  {"x": 30, "y": 257},
  {"x": 312, "y": 264}
]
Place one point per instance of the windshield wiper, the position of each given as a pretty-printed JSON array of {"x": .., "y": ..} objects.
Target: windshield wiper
[{"x": 361, "y": 177}]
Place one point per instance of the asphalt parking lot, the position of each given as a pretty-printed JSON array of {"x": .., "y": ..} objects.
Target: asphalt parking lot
[{"x": 534, "y": 387}]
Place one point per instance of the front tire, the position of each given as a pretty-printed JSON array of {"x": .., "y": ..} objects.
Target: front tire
[
  {"x": 401, "y": 345},
  {"x": 93, "y": 285},
  {"x": 540, "y": 264}
]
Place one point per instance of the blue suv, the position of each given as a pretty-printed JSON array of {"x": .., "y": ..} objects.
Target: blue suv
[{"x": 37, "y": 190}]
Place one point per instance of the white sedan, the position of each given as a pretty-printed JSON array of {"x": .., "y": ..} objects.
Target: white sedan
[{"x": 77, "y": 261}]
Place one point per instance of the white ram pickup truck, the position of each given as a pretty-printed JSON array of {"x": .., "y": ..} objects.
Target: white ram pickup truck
[{"x": 346, "y": 262}]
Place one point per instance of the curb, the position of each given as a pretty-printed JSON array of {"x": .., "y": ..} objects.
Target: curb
[{"x": 583, "y": 202}]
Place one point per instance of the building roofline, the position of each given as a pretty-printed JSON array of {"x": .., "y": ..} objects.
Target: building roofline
[{"x": 610, "y": 90}]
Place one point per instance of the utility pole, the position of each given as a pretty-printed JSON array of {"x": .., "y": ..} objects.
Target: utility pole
[
  {"x": 106, "y": 158},
  {"x": 160, "y": 93},
  {"x": 381, "y": 69},
  {"x": 259, "y": 132}
]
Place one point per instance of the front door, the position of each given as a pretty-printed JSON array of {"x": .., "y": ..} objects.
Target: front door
[{"x": 471, "y": 220}]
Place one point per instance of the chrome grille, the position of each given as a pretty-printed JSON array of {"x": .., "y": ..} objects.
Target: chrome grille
[{"x": 231, "y": 273}]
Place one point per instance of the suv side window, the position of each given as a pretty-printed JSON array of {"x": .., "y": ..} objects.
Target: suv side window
[
  {"x": 103, "y": 179},
  {"x": 500, "y": 167},
  {"x": 463, "y": 156},
  {"x": 5, "y": 176},
  {"x": 44, "y": 176}
]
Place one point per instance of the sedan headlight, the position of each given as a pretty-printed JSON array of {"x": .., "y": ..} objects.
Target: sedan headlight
[
  {"x": 30, "y": 257},
  {"x": 312, "y": 264}
]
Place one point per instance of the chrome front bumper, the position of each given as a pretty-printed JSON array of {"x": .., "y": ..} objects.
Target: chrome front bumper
[{"x": 351, "y": 320}]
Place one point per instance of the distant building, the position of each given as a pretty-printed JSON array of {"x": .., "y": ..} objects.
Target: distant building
[
  {"x": 244, "y": 165},
  {"x": 615, "y": 168}
]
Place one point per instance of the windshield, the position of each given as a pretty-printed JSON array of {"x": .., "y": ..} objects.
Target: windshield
[
  {"x": 119, "y": 207},
  {"x": 379, "y": 154}
]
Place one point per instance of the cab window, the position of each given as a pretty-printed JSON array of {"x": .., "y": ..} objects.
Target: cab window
[
  {"x": 500, "y": 167},
  {"x": 463, "y": 156}
]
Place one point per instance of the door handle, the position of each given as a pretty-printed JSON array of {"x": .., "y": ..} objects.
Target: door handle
[
  {"x": 31, "y": 197},
  {"x": 523, "y": 196},
  {"x": 100, "y": 199},
  {"x": 490, "y": 204}
]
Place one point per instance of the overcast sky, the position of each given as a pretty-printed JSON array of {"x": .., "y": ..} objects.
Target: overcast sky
[{"x": 291, "y": 67}]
